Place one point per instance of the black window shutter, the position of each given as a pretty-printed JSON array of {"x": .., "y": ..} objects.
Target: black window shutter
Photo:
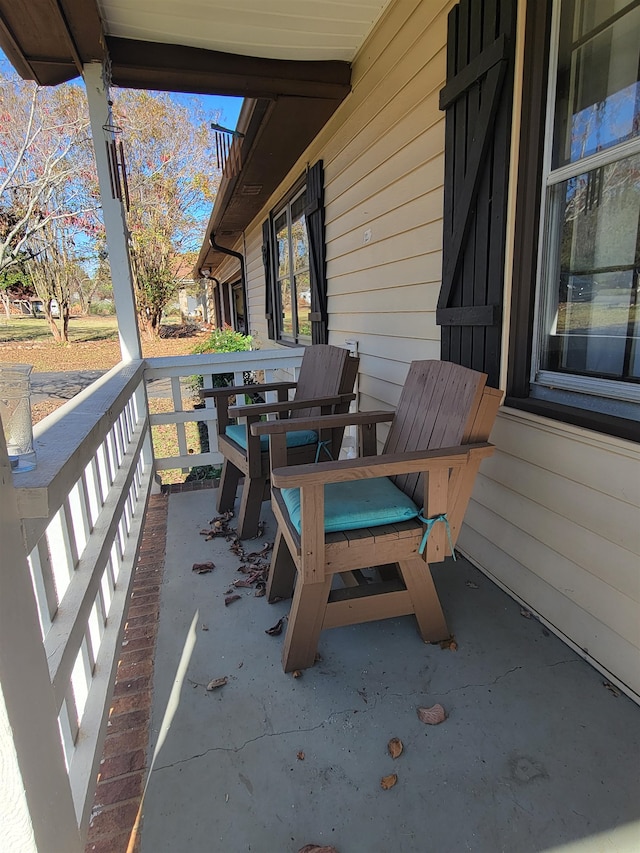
[
  {"x": 478, "y": 103},
  {"x": 314, "y": 214},
  {"x": 267, "y": 255}
]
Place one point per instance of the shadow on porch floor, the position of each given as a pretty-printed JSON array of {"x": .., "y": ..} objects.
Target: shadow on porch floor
[{"x": 535, "y": 753}]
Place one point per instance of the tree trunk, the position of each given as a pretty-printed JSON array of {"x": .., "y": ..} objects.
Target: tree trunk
[
  {"x": 6, "y": 303},
  {"x": 53, "y": 328},
  {"x": 65, "y": 322}
]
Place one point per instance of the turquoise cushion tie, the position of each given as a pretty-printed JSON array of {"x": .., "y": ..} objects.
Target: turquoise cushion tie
[
  {"x": 298, "y": 438},
  {"x": 429, "y": 522},
  {"x": 357, "y": 504}
]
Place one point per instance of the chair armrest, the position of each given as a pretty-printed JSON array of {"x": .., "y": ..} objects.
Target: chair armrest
[
  {"x": 321, "y": 422},
  {"x": 230, "y": 390},
  {"x": 260, "y": 409},
  {"x": 387, "y": 465}
]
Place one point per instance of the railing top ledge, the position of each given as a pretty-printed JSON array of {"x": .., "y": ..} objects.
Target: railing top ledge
[
  {"x": 67, "y": 438},
  {"x": 183, "y": 365}
]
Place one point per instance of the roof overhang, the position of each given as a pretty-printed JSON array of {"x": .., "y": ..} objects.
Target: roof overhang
[{"x": 276, "y": 134}]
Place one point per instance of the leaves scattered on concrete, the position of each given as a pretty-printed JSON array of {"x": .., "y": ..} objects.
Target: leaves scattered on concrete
[
  {"x": 388, "y": 781},
  {"x": 395, "y": 747},
  {"x": 217, "y": 682},
  {"x": 432, "y": 716},
  {"x": 316, "y": 848},
  {"x": 276, "y": 629},
  {"x": 203, "y": 568}
]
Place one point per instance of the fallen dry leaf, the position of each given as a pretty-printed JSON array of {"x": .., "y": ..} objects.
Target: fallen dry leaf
[
  {"x": 611, "y": 688},
  {"x": 300, "y": 756},
  {"x": 217, "y": 682},
  {"x": 203, "y": 568},
  {"x": 526, "y": 613},
  {"x": 205, "y": 627},
  {"x": 395, "y": 747},
  {"x": 449, "y": 644},
  {"x": 260, "y": 591},
  {"x": 276, "y": 629},
  {"x": 297, "y": 673},
  {"x": 226, "y": 516},
  {"x": 432, "y": 716},
  {"x": 230, "y": 599},
  {"x": 388, "y": 781},
  {"x": 472, "y": 585},
  {"x": 316, "y": 848},
  {"x": 242, "y": 583}
]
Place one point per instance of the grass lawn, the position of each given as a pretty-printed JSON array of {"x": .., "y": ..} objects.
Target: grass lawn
[{"x": 94, "y": 345}]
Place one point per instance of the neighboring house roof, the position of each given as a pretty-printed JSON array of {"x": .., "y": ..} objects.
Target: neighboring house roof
[{"x": 293, "y": 68}]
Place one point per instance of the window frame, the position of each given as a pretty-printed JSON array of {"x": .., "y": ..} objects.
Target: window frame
[
  {"x": 595, "y": 409},
  {"x": 298, "y": 191}
]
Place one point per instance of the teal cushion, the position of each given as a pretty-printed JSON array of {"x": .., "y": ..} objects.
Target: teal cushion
[
  {"x": 357, "y": 504},
  {"x": 298, "y": 438}
]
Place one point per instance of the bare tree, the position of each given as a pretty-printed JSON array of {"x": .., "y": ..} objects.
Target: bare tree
[{"x": 47, "y": 171}]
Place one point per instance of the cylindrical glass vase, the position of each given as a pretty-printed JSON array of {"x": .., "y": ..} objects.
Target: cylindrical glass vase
[{"x": 15, "y": 411}]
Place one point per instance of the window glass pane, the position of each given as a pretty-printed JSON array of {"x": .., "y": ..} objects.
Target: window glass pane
[
  {"x": 298, "y": 205},
  {"x": 300, "y": 244},
  {"x": 282, "y": 239},
  {"x": 598, "y": 95},
  {"x": 592, "y": 311},
  {"x": 293, "y": 270},
  {"x": 303, "y": 293},
  {"x": 287, "y": 308}
]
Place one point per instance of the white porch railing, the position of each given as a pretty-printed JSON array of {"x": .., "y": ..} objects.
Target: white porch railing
[
  {"x": 209, "y": 365},
  {"x": 82, "y": 512}
]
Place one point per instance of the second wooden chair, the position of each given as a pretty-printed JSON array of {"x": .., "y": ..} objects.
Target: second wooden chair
[{"x": 325, "y": 385}]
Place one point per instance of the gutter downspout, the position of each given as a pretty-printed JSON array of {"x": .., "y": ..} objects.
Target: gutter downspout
[{"x": 243, "y": 278}]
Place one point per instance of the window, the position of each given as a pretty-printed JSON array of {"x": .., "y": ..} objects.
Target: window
[
  {"x": 293, "y": 251},
  {"x": 292, "y": 278},
  {"x": 586, "y": 332}
]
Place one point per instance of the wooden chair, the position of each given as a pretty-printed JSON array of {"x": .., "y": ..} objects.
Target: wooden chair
[
  {"x": 338, "y": 518},
  {"x": 325, "y": 385}
]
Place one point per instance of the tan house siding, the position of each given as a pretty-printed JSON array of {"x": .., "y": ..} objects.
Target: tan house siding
[
  {"x": 555, "y": 517},
  {"x": 383, "y": 160},
  {"x": 555, "y": 520},
  {"x": 255, "y": 289}
]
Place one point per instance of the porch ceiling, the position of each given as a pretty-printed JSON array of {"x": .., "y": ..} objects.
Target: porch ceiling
[{"x": 291, "y": 59}]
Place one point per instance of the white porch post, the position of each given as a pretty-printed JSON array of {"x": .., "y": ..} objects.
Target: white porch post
[
  {"x": 36, "y": 808},
  {"x": 113, "y": 211}
]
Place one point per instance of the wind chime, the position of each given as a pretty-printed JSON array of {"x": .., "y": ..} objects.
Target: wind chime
[
  {"x": 228, "y": 153},
  {"x": 117, "y": 165}
]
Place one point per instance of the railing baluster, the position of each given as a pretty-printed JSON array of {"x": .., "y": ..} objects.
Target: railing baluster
[
  {"x": 43, "y": 583},
  {"x": 60, "y": 553}
]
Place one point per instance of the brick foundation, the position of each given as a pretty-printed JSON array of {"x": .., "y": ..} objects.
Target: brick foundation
[{"x": 124, "y": 760}]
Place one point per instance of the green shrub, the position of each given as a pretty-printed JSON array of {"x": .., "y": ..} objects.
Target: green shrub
[
  {"x": 220, "y": 340},
  {"x": 224, "y": 340}
]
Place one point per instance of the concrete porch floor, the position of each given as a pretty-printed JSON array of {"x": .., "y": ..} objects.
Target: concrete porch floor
[{"x": 536, "y": 754}]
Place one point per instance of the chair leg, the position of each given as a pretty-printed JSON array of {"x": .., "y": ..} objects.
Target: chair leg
[
  {"x": 228, "y": 486},
  {"x": 305, "y": 623},
  {"x": 282, "y": 572},
  {"x": 250, "y": 506},
  {"x": 426, "y": 604}
]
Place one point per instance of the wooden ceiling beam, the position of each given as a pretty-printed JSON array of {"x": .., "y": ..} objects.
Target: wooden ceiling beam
[
  {"x": 151, "y": 65},
  {"x": 49, "y": 40}
]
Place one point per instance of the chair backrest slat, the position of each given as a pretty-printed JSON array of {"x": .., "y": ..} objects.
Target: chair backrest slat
[
  {"x": 437, "y": 408},
  {"x": 322, "y": 374}
]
